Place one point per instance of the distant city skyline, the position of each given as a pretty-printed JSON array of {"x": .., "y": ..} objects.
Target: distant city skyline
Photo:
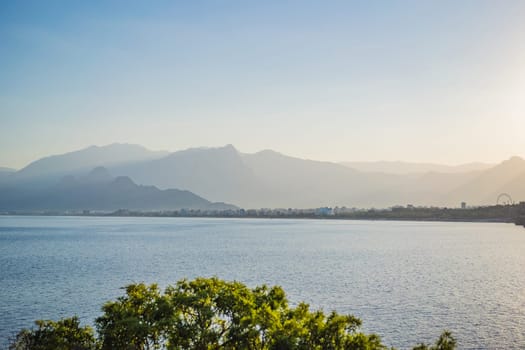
[{"x": 435, "y": 81}]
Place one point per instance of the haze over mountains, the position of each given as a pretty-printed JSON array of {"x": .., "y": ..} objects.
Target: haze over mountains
[
  {"x": 271, "y": 179},
  {"x": 98, "y": 190},
  {"x": 404, "y": 168},
  {"x": 88, "y": 158}
]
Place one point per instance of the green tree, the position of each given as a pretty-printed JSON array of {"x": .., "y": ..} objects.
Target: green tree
[
  {"x": 214, "y": 314},
  {"x": 208, "y": 314},
  {"x": 211, "y": 314},
  {"x": 135, "y": 321},
  {"x": 445, "y": 342},
  {"x": 65, "y": 334}
]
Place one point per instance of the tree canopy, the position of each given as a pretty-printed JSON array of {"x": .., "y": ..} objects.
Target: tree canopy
[{"x": 207, "y": 314}]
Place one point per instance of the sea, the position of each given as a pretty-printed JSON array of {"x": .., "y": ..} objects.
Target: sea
[{"x": 407, "y": 281}]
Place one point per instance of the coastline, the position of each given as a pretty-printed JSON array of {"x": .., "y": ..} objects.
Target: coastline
[{"x": 269, "y": 217}]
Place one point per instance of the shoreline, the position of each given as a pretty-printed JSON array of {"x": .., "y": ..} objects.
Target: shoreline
[{"x": 329, "y": 218}]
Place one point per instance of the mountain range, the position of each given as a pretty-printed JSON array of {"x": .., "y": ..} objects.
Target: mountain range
[
  {"x": 88, "y": 158},
  {"x": 100, "y": 191},
  {"x": 404, "y": 168},
  {"x": 272, "y": 179}
]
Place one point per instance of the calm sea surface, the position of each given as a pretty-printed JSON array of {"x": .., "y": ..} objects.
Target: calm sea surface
[{"x": 407, "y": 281}]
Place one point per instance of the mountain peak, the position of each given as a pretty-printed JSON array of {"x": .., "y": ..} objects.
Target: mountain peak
[
  {"x": 99, "y": 174},
  {"x": 269, "y": 151},
  {"x": 512, "y": 163},
  {"x": 515, "y": 159},
  {"x": 88, "y": 158},
  {"x": 229, "y": 148},
  {"x": 123, "y": 181}
]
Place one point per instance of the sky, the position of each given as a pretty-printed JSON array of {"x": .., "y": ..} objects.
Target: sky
[{"x": 429, "y": 81}]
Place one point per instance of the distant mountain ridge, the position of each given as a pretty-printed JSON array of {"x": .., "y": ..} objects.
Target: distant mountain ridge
[
  {"x": 264, "y": 179},
  {"x": 502, "y": 178},
  {"x": 88, "y": 158},
  {"x": 272, "y": 179},
  {"x": 403, "y": 168},
  {"x": 101, "y": 192}
]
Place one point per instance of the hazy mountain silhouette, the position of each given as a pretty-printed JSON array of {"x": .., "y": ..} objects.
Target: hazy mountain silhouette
[
  {"x": 6, "y": 172},
  {"x": 264, "y": 179},
  {"x": 100, "y": 191},
  {"x": 484, "y": 188},
  {"x": 218, "y": 174},
  {"x": 515, "y": 187},
  {"x": 271, "y": 179},
  {"x": 87, "y": 158},
  {"x": 401, "y": 168},
  {"x": 289, "y": 181}
]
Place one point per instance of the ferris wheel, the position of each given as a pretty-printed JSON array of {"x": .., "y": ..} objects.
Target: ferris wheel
[{"x": 504, "y": 199}]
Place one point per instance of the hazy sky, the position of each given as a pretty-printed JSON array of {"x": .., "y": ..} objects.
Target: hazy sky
[{"x": 439, "y": 81}]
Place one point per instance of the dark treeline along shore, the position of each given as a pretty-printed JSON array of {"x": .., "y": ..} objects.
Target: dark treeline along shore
[{"x": 510, "y": 213}]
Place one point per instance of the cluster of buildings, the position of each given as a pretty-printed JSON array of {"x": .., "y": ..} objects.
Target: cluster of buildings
[{"x": 253, "y": 213}]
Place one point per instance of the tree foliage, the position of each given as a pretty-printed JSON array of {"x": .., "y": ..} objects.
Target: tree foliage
[
  {"x": 65, "y": 334},
  {"x": 445, "y": 342},
  {"x": 208, "y": 314}
]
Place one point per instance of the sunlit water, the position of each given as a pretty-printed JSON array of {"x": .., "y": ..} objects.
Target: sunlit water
[{"x": 407, "y": 281}]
